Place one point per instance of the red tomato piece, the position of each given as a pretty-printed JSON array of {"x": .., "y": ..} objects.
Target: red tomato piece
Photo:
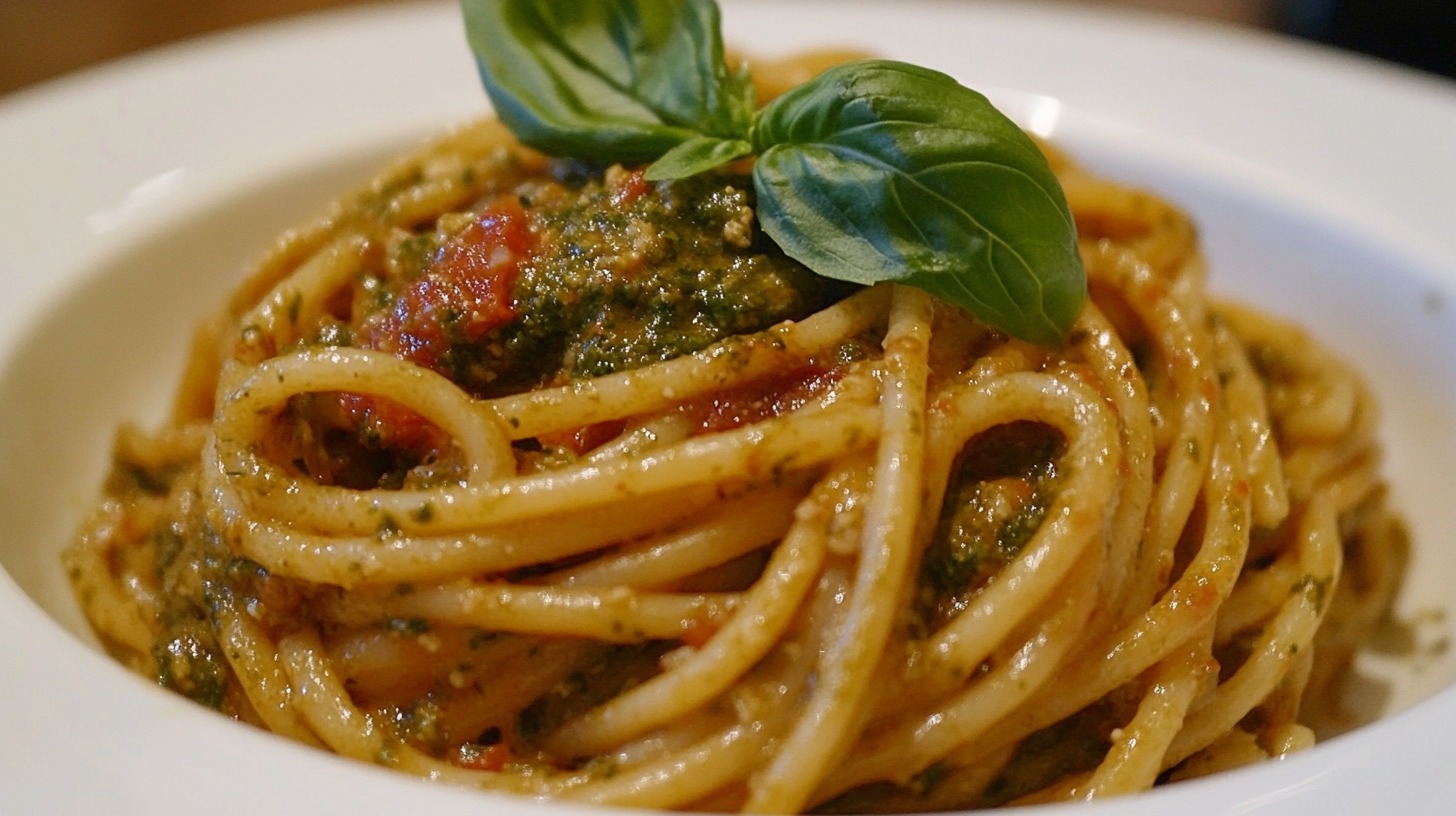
[
  {"x": 387, "y": 424},
  {"x": 465, "y": 294},
  {"x": 584, "y": 439},
  {"x": 628, "y": 187},
  {"x": 484, "y": 757}
]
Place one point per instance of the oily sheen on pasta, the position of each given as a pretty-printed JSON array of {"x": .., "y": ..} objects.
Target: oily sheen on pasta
[{"x": 531, "y": 476}]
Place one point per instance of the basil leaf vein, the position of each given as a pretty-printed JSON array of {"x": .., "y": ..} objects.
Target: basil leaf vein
[
  {"x": 615, "y": 80},
  {"x": 880, "y": 170}
]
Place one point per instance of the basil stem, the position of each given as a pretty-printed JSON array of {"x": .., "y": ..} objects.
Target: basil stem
[{"x": 697, "y": 155}]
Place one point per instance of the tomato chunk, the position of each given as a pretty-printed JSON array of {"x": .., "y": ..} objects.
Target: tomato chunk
[
  {"x": 383, "y": 423},
  {"x": 464, "y": 294},
  {"x": 484, "y": 757}
]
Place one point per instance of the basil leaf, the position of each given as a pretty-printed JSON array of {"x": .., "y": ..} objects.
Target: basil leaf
[
  {"x": 879, "y": 170},
  {"x": 612, "y": 80},
  {"x": 697, "y": 155}
]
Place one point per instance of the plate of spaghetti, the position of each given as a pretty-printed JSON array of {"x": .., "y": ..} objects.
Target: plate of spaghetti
[{"x": 781, "y": 407}]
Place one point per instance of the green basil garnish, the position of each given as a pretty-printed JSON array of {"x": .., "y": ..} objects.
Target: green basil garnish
[
  {"x": 873, "y": 171},
  {"x": 616, "y": 80},
  {"x": 886, "y": 171}
]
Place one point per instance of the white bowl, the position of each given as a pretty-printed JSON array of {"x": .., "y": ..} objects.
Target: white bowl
[{"x": 1324, "y": 186}]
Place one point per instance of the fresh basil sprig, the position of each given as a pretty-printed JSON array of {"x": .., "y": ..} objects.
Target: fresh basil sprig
[
  {"x": 873, "y": 171},
  {"x": 618, "y": 80}
]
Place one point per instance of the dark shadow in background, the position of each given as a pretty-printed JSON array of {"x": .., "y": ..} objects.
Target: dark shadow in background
[{"x": 1417, "y": 33}]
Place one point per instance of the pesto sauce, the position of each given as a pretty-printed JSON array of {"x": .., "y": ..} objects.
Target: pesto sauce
[
  {"x": 998, "y": 495},
  {"x": 1074, "y": 745},
  {"x": 187, "y": 657},
  {"x": 609, "y": 671},
  {"x": 625, "y": 273}
]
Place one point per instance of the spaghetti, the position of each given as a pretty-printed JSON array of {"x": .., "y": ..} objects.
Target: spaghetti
[{"x": 868, "y": 555}]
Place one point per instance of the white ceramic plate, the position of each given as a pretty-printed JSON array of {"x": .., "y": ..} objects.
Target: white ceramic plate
[{"x": 131, "y": 195}]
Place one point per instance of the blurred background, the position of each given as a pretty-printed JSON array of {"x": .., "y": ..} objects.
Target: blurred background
[{"x": 42, "y": 39}]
